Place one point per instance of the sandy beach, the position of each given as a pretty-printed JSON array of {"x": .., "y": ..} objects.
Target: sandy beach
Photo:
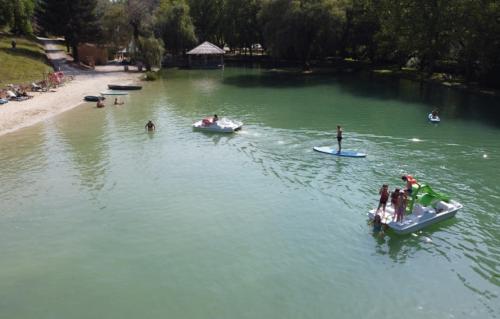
[{"x": 16, "y": 115}]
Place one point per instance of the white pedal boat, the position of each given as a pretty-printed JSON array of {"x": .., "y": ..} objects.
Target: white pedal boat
[
  {"x": 420, "y": 217},
  {"x": 433, "y": 119},
  {"x": 223, "y": 125}
]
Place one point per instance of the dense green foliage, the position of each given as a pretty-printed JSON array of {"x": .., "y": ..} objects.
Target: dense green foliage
[
  {"x": 460, "y": 37},
  {"x": 302, "y": 29},
  {"x": 150, "y": 52},
  {"x": 174, "y": 25},
  {"x": 17, "y": 15}
]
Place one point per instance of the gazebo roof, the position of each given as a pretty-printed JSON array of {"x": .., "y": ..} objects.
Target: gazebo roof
[{"x": 206, "y": 48}]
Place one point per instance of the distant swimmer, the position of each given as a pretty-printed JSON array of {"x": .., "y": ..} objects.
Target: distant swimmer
[
  {"x": 215, "y": 118},
  {"x": 339, "y": 138},
  {"x": 150, "y": 126},
  {"x": 434, "y": 115},
  {"x": 117, "y": 102},
  {"x": 100, "y": 103}
]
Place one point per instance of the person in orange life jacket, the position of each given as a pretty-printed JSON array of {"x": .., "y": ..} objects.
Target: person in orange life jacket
[{"x": 410, "y": 181}]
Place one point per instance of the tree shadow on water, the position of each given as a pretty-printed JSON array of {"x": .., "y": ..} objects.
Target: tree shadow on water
[
  {"x": 277, "y": 80},
  {"x": 452, "y": 103}
]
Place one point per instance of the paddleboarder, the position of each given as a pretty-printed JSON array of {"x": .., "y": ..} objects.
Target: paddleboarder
[{"x": 339, "y": 138}]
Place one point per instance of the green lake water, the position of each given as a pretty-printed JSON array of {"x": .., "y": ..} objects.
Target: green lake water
[{"x": 99, "y": 219}]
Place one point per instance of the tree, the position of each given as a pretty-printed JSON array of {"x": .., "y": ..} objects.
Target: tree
[
  {"x": 241, "y": 26},
  {"x": 151, "y": 52},
  {"x": 139, "y": 14},
  {"x": 116, "y": 28},
  {"x": 76, "y": 20},
  {"x": 208, "y": 19},
  {"x": 478, "y": 39},
  {"x": 361, "y": 26},
  {"x": 302, "y": 29},
  {"x": 17, "y": 15},
  {"x": 174, "y": 25}
]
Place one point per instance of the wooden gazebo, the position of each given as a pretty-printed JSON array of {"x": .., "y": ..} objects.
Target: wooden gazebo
[{"x": 206, "y": 56}]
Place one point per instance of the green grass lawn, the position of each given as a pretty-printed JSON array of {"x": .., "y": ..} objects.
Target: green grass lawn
[{"x": 23, "y": 65}]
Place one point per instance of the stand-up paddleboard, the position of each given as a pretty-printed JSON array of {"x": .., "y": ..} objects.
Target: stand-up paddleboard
[{"x": 332, "y": 151}]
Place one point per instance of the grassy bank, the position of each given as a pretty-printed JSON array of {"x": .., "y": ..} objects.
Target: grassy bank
[{"x": 23, "y": 65}]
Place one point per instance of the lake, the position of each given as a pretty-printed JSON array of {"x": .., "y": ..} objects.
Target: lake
[{"x": 99, "y": 219}]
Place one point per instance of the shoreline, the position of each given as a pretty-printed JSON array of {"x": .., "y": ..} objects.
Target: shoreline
[{"x": 44, "y": 105}]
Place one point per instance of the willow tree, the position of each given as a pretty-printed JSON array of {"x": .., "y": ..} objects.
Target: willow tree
[
  {"x": 174, "y": 25},
  {"x": 151, "y": 52}
]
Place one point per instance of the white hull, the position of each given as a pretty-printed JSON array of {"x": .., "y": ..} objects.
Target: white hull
[
  {"x": 221, "y": 126},
  {"x": 420, "y": 218}
]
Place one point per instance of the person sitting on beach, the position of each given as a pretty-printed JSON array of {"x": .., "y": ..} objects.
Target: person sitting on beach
[
  {"x": 100, "y": 103},
  {"x": 339, "y": 138},
  {"x": 410, "y": 181},
  {"x": 150, "y": 126},
  {"x": 384, "y": 197},
  {"x": 117, "y": 102}
]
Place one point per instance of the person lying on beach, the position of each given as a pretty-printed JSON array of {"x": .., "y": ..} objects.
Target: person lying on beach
[
  {"x": 118, "y": 103},
  {"x": 150, "y": 126},
  {"x": 18, "y": 95}
]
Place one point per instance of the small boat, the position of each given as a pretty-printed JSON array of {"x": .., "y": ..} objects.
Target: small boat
[
  {"x": 427, "y": 208},
  {"x": 223, "y": 125},
  {"x": 433, "y": 119},
  {"x": 113, "y": 92},
  {"x": 124, "y": 87},
  {"x": 93, "y": 98}
]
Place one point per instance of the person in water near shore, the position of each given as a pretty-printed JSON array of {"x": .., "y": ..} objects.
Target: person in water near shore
[
  {"x": 117, "y": 102},
  {"x": 384, "y": 197},
  {"x": 410, "y": 181},
  {"x": 377, "y": 224},
  {"x": 100, "y": 103},
  {"x": 215, "y": 118},
  {"x": 150, "y": 126},
  {"x": 339, "y": 138}
]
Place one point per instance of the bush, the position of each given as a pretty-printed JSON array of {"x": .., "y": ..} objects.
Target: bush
[{"x": 151, "y": 76}]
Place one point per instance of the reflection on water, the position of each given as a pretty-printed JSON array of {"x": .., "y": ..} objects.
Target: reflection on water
[{"x": 190, "y": 223}]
